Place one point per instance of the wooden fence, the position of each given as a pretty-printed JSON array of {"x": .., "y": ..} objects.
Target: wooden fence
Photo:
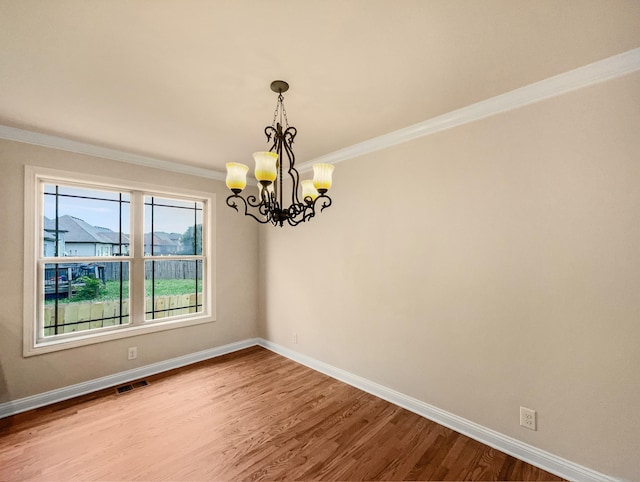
[
  {"x": 175, "y": 269},
  {"x": 88, "y": 315}
]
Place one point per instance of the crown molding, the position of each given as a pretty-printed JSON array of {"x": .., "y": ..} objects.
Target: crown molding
[
  {"x": 590, "y": 74},
  {"x": 54, "y": 142}
]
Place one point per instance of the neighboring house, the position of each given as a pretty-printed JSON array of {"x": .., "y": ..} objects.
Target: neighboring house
[
  {"x": 76, "y": 237},
  {"x": 163, "y": 243},
  {"x": 51, "y": 234},
  {"x": 112, "y": 237},
  {"x": 177, "y": 239},
  {"x": 82, "y": 239}
]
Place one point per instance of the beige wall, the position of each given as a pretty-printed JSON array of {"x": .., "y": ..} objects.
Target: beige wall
[
  {"x": 499, "y": 269},
  {"x": 236, "y": 274},
  {"x": 483, "y": 268}
]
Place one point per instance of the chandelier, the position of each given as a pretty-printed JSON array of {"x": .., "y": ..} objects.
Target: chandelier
[{"x": 267, "y": 205}]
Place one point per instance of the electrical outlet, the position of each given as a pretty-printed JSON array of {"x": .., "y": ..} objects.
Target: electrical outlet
[
  {"x": 528, "y": 418},
  {"x": 295, "y": 338},
  {"x": 132, "y": 354}
]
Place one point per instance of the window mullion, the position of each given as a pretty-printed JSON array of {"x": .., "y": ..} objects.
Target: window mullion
[{"x": 137, "y": 292}]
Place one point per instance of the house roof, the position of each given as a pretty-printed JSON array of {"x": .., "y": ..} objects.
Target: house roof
[
  {"x": 163, "y": 239},
  {"x": 50, "y": 225},
  {"x": 79, "y": 231},
  {"x": 111, "y": 236}
]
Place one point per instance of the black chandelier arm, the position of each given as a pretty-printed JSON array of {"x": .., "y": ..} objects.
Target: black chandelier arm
[
  {"x": 266, "y": 210},
  {"x": 289, "y": 135},
  {"x": 293, "y": 172},
  {"x": 309, "y": 212},
  {"x": 231, "y": 202},
  {"x": 294, "y": 222},
  {"x": 294, "y": 210},
  {"x": 287, "y": 142},
  {"x": 293, "y": 214},
  {"x": 304, "y": 212},
  {"x": 271, "y": 133},
  {"x": 326, "y": 201},
  {"x": 301, "y": 214},
  {"x": 252, "y": 201}
]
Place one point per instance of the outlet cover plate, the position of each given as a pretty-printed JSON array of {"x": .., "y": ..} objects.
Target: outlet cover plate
[{"x": 528, "y": 418}]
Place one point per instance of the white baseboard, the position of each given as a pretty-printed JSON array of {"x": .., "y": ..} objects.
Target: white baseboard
[
  {"x": 525, "y": 452},
  {"x": 65, "y": 393},
  {"x": 544, "y": 460}
]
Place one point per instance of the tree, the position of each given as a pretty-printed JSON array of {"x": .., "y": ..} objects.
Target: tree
[{"x": 188, "y": 242}]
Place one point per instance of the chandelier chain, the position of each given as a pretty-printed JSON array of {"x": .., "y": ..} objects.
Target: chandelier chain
[
  {"x": 275, "y": 114},
  {"x": 283, "y": 113}
]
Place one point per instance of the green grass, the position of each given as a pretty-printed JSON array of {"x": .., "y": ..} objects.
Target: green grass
[
  {"x": 163, "y": 287},
  {"x": 166, "y": 287},
  {"x": 112, "y": 291}
]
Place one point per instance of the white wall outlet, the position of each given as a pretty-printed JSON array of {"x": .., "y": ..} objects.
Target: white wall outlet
[
  {"x": 528, "y": 418},
  {"x": 295, "y": 338},
  {"x": 132, "y": 353}
]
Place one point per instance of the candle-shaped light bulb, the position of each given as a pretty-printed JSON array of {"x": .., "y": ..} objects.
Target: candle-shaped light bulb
[
  {"x": 265, "y": 166},
  {"x": 309, "y": 190},
  {"x": 236, "y": 176},
  {"x": 322, "y": 177}
]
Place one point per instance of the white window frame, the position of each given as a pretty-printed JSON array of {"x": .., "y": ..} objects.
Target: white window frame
[{"x": 34, "y": 342}]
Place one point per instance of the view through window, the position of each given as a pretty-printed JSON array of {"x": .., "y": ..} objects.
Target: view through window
[
  {"x": 84, "y": 293},
  {"x": 173, "y": 229},
  {"x": 87, "y": 252}
]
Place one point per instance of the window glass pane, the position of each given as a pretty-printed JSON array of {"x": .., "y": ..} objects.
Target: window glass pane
[
  {"x": 172, "y": 288},
  {"x": 172, "y": 227},
  {"x": 86, "y": 192},
  {"x": 85, "y": 222},
  {"x": 84, "y": 296}
]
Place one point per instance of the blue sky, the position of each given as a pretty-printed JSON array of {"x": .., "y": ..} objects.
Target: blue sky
[{"x": 104, "y": 212}]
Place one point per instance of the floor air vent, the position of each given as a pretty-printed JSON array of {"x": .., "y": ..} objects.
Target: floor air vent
[{"x": 131, "y": 386}]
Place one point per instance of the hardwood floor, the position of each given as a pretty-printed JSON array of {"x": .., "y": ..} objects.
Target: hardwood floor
[{"x": 250, "y": 415}]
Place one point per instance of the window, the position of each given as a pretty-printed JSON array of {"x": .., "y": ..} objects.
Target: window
[
  {"x": 173, "y": 261},
  {"x": 83, "y": 293},
  {"x": 108, "y": 259}
]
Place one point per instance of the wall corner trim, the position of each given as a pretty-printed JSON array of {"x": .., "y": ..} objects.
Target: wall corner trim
[{"x": 528, "y": 453}]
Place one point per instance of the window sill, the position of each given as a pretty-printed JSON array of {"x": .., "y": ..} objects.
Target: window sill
[{"x": 49, "y": 346}]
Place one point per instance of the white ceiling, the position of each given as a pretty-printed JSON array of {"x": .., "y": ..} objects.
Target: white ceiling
[{"x": 188, "y": 80}]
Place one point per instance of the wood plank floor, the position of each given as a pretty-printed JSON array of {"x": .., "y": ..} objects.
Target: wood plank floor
[{"x": 250, "y": 415}]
